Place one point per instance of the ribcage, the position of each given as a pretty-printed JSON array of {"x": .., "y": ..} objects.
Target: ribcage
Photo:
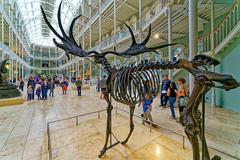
[{"x": 130, "y": 84}]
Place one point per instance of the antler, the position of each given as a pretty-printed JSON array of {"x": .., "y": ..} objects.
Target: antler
[
  {"x": 138, "y": 48},
  {"x": 69, "y": 44}
]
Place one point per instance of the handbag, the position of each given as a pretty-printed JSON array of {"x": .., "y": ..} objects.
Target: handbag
[{"x": 183, "y": 101}]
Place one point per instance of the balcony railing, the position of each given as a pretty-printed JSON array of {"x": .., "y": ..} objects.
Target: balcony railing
[{"x": 157, "y": 7}]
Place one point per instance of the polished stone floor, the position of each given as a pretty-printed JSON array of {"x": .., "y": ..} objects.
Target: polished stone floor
[{"x": 23, "y": 131}]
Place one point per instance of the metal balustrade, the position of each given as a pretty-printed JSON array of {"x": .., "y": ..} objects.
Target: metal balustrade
[
  {"x": 228, "y": 24},
  {"x": 117, "y": 109},
  {"x": 99, "y": 116}
]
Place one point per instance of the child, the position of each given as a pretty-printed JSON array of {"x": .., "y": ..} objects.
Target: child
[
  {"x": 38, "y": 91},
  {"x": 147, "y": 107},
  {"x": 29, "y": 92},
  {"x": 64, "y": 86}
]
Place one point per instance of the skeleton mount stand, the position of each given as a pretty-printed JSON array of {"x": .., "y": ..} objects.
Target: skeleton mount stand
[{"x": 109, "y": 134}]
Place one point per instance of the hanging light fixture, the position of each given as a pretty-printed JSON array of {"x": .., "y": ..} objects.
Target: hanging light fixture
[{"x": 156, "y": 36}]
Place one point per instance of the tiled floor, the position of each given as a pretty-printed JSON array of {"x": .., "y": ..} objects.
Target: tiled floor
[{"x": 23, "y": 131}]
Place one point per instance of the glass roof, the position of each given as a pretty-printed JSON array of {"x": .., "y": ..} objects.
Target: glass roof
[{"x": 38, "y": 31}]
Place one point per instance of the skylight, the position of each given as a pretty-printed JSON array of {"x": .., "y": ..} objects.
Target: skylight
[{"x": 38, "y": 31}]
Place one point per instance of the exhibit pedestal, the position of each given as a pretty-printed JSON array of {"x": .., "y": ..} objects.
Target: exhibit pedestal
[{"x": 12, "y": 101}]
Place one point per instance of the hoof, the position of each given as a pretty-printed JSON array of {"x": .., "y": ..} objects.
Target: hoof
[
  {"x": 124, "y": 142},
  {"x": 101, "y": 154},
  {"x": 216, "y": 157}
]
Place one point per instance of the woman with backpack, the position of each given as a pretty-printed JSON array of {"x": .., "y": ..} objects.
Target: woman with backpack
[{"x": 182, "y": 96}]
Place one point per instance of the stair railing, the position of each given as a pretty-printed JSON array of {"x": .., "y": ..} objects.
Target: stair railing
[{"x": 222, "y": 30}]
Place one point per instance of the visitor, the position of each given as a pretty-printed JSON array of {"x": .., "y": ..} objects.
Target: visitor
[
  {"x": 182, "y": 97},
  {"x": 64, "y": 85},
  {"x": 33, "y": 84},
  {"x": 165, "y": 85},
  {"x": 147, "y": 108},
  {"x": 79, "y": 85},
  {"x": 103, "y": 86},
  {"x": 171, "y": 93},
  {"x": 52, "y": 87},
  {"x": 57, "y": 81},
  {"x": 21, "y": 85},
  {"x": 17, "y": 83},
  {"x": 44, "y": 89},
  {"x": 29, "y": 93},
  {"x": 38, "y": 90},
  {"x": 98, "y": 84}
]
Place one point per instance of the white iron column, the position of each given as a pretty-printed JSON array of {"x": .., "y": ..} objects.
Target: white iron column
[
  {"x": 49, "y": 50},
  {"x": 33, "y": 55},
  {"x": 114, "y": 29},
  {"x": 78, "y": 73},
  {"x": 213, "y": 103},
  {"x": 3, "y": 56},
  {"x": 67, "y": 71},
  {"x": 100, "y": 33},
  {"x": 17, "y": 51},
  {"x": 90, "y": 38},
  {"x": 83, "y": 46},
  {"x": 12, "y": 65},
  {"x": 170, "y": 37},
  {"x": 41, "y": 56},
  {"x": 192, "y": 36},
  {"x": 16, "y": 70},
  {"x": 2, "y": 29},
  {"x": 22, "y": 64},
  {"x": 140, "y": 24}
]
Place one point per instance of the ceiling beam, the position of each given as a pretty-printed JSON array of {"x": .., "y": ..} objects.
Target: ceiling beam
[
  {"x": 202, "y": 19},
  {"x": 111, "y": 18},
  {"x": 216, "y": 5},
  {"x": 130, "y": 6}
]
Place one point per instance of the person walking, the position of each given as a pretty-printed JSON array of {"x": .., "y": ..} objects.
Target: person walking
[
  {"x": 98, "y": 84},
  {"x": 182, "y": 97},
  {"x": 172, "y": 93},
  {"x": 44, "y": 90},
  {"x": 103, "y": 86},
  {"x": 21, "y": 85},
  {"x": 33, "y": 84},
  {"x": 79, "y": 86},
  {"x": 165, "y": 85},
  {"x": 64, "y": 85},
  {"x": 29, "y": 93},
  {"x": 52, "y": 87},
  {"x": 38, "y": 90}
]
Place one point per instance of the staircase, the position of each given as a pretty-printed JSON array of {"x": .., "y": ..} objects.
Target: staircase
[{"x": 224, "y": 33}]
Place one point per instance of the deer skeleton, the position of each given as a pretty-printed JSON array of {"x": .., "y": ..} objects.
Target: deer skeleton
[{"x": 127, "y": 85}]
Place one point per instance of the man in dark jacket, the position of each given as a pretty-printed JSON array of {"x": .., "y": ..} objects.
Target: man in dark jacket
[{"x": 165, "y": 85}]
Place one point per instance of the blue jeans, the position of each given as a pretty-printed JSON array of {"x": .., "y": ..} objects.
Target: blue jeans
[
  {"x": 163, "y": 99},
  {"x": 172, "y": 101},
  {"x": 79, "y": 90}
]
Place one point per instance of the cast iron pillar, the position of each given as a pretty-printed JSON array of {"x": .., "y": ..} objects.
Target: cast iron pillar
[
  {"x": 213, "y": 102},
  {"x": 169, "y": 10},
  {"x": 192, "y": 36}
]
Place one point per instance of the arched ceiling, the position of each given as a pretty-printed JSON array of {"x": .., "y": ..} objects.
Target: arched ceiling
[{"x": 37, "y": 30}]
